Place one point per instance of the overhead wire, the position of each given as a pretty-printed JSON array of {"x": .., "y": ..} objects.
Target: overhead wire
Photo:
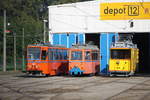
[
  {"x": 27, "y": 35},
  {"x": 67, "y": 23},
  {"x": 87, "y": 15},
  {"x": 141, "y": 3},
  {"x": 101, "y": 20}
]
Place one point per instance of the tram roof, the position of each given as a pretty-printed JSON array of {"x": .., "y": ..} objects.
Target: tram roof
[
  {"x": 85, "y": 46},
  {"x": 47, "y": 45}
]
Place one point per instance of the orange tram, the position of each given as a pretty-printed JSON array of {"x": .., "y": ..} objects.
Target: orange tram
[
  {"x": 84, "y": 60},
  {"x": 46, "y": 59}
]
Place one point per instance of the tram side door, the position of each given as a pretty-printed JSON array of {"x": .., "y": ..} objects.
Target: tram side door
[
  {"x": 89, "y": 65},
  {"x": 44, "y": 61},
  {"x": 93, "y": 65}
]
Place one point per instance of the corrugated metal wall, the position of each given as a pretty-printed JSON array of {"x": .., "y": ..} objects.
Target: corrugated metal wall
[
  {"x": 68, "y": 40},
  {"x": 106, "y": 39}
]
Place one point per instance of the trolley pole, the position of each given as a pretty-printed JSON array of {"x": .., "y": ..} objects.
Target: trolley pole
[
  {"x": 15, "y": 68},
  {"x": 23, "y": 49},
  {"x": 4, "y": 43}
]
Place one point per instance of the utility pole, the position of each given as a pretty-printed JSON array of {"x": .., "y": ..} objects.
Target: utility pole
[
  {"x": 15, "y": 68},
  {"x": 44, "y": 37},
  {"x": 23, "y": 49},
  {"x": 4, "y": 43}
]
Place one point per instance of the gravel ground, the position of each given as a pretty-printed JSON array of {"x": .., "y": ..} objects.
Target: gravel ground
[{"x": 17, "y": 86}]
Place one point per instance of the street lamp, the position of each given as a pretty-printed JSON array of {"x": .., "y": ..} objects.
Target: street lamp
[
  {"x": 15, "y": 67},
  {"x": 4, "y": 43},
  {"x": 44, "y": 37},
  {"x": 23, "y": 63},
  {"x": 5, "y": 31}
]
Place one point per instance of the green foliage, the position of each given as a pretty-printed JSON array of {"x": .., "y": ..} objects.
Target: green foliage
[
  {"x": 21, "y": 14},
  {"x": 27, "y": 14}
]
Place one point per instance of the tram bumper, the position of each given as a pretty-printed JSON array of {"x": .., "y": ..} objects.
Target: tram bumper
[
  {"x": 120, "y": 73},
  {"x": 76, "y": 71}
]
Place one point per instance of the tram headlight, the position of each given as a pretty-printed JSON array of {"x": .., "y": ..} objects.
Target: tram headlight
[{"x": 117, "y": 62}]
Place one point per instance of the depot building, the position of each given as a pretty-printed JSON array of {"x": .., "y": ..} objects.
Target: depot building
[{"x": 101, "y": 21}]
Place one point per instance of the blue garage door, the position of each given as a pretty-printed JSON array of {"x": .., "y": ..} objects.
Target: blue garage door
[{"x": 106, "y": 39}]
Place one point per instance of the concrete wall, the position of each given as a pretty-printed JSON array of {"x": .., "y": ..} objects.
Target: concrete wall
[{"x": 85, "y": 17}]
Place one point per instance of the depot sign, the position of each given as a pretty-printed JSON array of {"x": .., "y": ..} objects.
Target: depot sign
[{"x": 125, "y": 11}]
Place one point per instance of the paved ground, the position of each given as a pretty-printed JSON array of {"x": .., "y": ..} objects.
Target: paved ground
[{"x": 15, "y": 86}]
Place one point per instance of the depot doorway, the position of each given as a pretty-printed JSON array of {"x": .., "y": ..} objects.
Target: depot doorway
[
  {"x": 142, "y": 40},
  {"x": 93, "y": 38}
]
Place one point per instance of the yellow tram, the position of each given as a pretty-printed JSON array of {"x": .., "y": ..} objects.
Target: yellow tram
[{"x": 124, "y": 59}]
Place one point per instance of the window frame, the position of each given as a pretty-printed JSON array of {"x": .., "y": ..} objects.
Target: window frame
[
  {"x": 28, "y": 58},
  {"x": 77, "y": 52},
  {"x": 120, "y": 55}
]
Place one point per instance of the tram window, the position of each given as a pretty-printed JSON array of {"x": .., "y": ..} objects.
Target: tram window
[
  {"x": 120, "y": 54},
  {"x": 50, "y": 55},
  {"x": 87, "y": 55},
  {"x": 65, "y": 55},
  {"x": 43, "y": 56},
  {"x": 33, "y": 54},
  {"x": 76, "y": 55},
  {"x": 60, "y": 55},
  {"x": 95, "y": 55},
  {"x": 56, "y": 55}
]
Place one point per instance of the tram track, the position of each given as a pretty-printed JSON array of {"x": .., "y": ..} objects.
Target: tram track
[
  {"x": 23, "y": 94},
  {"x": 127, "y": 91},
  {"x": 56, "y": 87}
]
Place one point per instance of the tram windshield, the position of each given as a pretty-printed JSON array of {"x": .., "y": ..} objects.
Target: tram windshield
[
  {"x": 120, "y": 54},
  {"x": 33, "y": 54},
  {"x": 76, "y": 55}
]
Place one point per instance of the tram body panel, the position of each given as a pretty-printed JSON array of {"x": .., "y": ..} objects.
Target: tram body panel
[
  {"x": 123, "y": 60},
  {"x": 83, "y": 61},
  {"x": 119, "y": 65},
  {"x": 41, "y": 60}
]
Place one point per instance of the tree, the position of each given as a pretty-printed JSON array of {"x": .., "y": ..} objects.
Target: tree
[{"x": 27, "y": 14}]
